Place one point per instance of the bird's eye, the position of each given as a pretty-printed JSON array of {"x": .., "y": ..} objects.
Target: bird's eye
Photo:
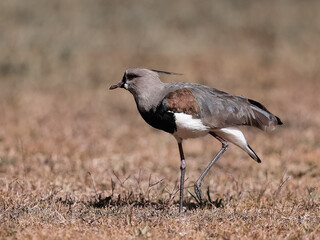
[{"x": 131, "y": 76}]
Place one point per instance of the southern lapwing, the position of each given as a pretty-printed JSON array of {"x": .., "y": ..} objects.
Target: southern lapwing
[{"x": 190, "y": 110}]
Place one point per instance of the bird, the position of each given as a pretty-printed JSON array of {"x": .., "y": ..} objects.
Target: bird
[{"x": 191, "y": 110}]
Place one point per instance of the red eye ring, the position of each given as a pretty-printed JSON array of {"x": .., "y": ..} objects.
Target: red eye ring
[{"x": 131, "y": 76}]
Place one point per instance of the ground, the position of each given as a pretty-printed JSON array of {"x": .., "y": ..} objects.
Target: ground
[{"x": 77, "y": 161}]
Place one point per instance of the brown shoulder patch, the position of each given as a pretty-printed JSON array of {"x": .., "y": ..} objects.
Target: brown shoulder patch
[{"x": 183, "y": 100}]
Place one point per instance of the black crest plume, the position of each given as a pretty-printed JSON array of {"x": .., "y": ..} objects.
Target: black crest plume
[{"x": 164, "y": 72}]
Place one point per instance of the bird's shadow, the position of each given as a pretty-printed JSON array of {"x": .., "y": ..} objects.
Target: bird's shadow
[
  {"x": 208, "y": 203},
  {"x": 100, "y": 201}
]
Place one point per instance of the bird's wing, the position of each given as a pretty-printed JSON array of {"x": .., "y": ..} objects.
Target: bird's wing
[
  {"x": 182, "y": 100},
  {"x": 219, "y": 109}
]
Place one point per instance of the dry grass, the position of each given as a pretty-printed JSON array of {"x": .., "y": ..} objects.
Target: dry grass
[{"x": 78, "y": 162}]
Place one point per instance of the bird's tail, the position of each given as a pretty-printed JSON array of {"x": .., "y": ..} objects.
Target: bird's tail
[
  {"x": 252, "y": 154},
  {"x": 235, "y": 136}
]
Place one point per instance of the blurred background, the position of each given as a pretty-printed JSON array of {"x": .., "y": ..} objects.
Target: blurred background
[
  {"x": 58, "y": 58},
  {"x": 90, "y": 43}
]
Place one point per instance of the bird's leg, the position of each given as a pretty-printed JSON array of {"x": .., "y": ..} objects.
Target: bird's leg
[
  {"x": 183, "y": 171},
  {"x": 197, "y": 184}
]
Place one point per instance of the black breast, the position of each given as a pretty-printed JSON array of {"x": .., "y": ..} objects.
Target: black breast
[{"x": 160, "y": 118}]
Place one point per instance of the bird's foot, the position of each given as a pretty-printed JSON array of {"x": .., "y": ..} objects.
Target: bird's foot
[
  {"x": 180, "y": 207},
  {"x": 197, "y": 190}
]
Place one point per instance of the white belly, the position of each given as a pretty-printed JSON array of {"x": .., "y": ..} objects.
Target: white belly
[{"x": 188, "y": 127}]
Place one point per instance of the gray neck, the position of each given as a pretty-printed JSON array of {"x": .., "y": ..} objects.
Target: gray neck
[{"x": 146, "y": 100}]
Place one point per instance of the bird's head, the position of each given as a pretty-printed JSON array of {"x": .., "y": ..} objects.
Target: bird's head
[{"x": 136, "y": 79}]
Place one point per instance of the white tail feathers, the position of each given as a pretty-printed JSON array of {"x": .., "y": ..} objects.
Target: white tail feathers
[
  {"x": 253, "y": 155},
  {"x": 235, "y": 136}
]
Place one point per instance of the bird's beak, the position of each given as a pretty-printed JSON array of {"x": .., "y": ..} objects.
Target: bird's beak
[{"x": 118, "y": 85}]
